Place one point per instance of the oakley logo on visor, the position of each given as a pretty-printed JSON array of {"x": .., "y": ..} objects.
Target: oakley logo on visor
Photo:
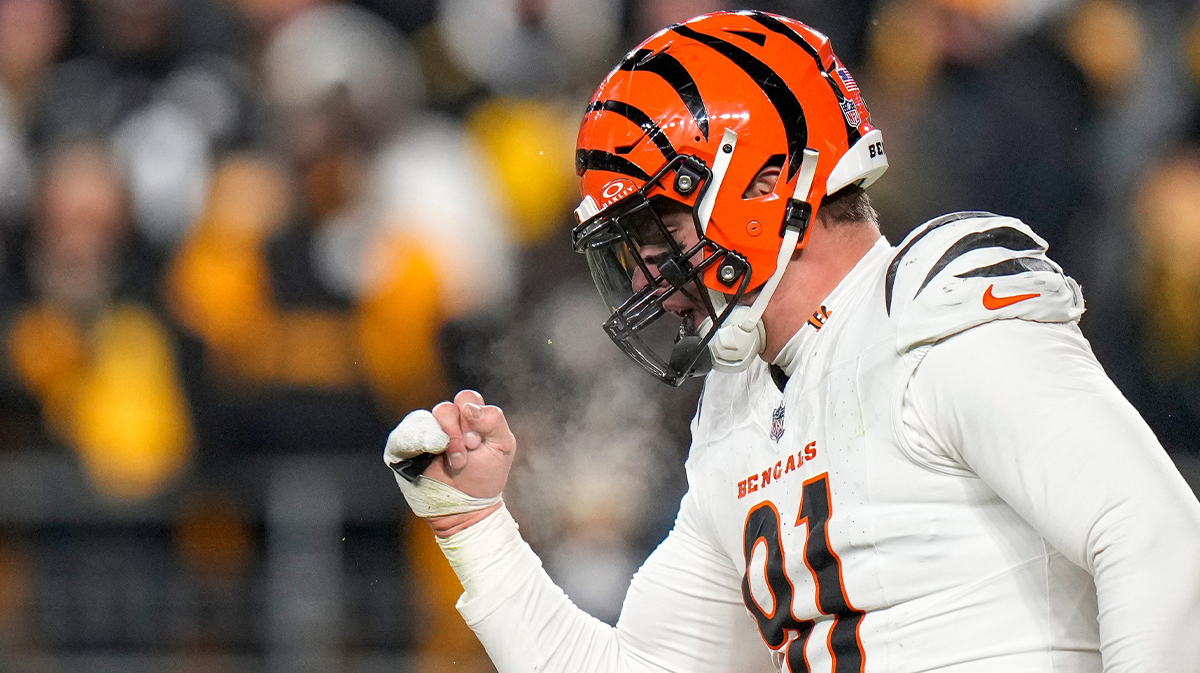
[{"x": 615, "y": 190}]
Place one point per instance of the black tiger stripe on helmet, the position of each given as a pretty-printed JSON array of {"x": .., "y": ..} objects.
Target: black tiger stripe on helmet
[
  {"x": 649, "y": 128},
  {"x": 791, "y": 113},
  {"x": 586, "y": 160},
  {"x": 673, "y": 73},
  {"x": 775, "y": 25}
]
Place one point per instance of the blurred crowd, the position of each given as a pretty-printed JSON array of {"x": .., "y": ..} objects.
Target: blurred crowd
[{"x": 240, "y": 239}]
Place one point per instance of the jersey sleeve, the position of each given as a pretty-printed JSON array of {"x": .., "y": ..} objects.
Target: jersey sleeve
[
  {"x": 1028, "y": 409},
  {"x": 966, "y": 269},
  {"x": 683, "y": 611}
]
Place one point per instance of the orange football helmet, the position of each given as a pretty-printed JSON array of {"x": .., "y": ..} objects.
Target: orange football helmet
[{"x": 693, "y": 114}]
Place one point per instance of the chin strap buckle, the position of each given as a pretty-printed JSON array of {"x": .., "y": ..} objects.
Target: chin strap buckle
[{"x": 797, "y": 216}]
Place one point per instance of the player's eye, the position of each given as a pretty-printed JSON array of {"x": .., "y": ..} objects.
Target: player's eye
[
  {"x": 644, "y": 227},
  {"x": 657, "y": 259}
]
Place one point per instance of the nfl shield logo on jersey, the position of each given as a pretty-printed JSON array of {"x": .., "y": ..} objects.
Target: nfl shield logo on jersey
[{"x": 777, "y": 423}]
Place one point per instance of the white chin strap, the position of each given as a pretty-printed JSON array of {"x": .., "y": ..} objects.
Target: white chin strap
[{"x": 742, "y": 336}]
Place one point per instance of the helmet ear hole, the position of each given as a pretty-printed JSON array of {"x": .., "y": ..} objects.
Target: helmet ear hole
[{"x": 764, "y": 178}]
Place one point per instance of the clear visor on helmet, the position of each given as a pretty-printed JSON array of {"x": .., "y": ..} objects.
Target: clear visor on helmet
[{"x": 651, "y": 278}]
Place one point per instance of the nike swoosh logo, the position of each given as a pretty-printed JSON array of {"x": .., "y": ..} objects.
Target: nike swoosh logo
[{"x": 991, "y": 302}]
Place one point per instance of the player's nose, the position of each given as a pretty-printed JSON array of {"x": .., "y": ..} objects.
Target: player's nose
[{"x": 639, "y": 279}]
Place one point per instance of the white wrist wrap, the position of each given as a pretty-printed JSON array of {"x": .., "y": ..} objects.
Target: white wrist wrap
[{"x": 430, "y": 497}]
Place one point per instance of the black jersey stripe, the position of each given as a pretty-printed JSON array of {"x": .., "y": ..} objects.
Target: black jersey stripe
[
  {"x": 1009, "y": 267},
  {"x": 934, "y": 224},
  {"x": 791, "y": 113},
  {"x": 672, "y": 71},
  {"x": 998, "y": 237},
  {"x": 643, "y": 120},
  {"x": 775, "y": 25},
  {"x": 586, "y": 160}
]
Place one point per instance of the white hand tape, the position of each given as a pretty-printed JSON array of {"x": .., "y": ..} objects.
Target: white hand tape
[
  {"x": 418, "y": 433},
  {"x": 430, "y": 497}
]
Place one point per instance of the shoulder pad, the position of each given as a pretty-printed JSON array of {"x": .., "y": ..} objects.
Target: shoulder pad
[{"x": 965, "y": 269}]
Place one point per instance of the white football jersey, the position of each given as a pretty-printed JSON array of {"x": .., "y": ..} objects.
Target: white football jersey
[
  {"x": 859, "y": 554},
  {"x": 936, "y": 476}
]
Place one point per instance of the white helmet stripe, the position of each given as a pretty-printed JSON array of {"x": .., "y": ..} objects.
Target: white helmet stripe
[{"x": 720, "y": 165}]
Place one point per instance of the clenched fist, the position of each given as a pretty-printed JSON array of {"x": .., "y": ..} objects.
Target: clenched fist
[{"x": 463, "y": 484}]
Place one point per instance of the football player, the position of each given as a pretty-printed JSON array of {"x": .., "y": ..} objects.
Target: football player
[{"x": 904, "y": 459}]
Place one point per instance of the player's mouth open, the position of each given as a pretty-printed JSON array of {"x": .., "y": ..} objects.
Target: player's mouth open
[
  {"x": 689, "y": 318},
  {"x": 683, "y": 304}
]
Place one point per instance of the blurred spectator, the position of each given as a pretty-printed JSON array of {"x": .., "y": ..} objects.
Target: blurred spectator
[
  {"x": 32, "y": 33},
  {"x": 218, "y": 282},
  {"x": 846, "y": 23},
  {"x": 151, "y": 76},
  {"x": 1154, "y": 348},
  {"x": 999, "y": 120},
  {"x": 531, "y": 47},
  {"x": 317, "y": 284},
  {"x": 287, "y": 280},
  {"x": 266, "y": 16},
  {"x": 86, "y": 342},
  {"x": 649, "y": 17}
]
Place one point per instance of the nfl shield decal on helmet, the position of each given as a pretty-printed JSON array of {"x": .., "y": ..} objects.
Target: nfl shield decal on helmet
[
  {"x": 851, "y": 111},
  {"x": 777, "y": 423}
]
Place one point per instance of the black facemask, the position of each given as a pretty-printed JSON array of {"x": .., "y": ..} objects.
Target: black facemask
[{"x": 628, "y": 242}]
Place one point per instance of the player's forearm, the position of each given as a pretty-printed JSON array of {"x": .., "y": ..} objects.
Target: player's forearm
[
  {"x": 525, "y": 622},
  {"x": 683, "y": 612}
]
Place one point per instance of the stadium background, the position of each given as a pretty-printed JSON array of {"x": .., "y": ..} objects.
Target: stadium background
[{"x": 239, "y": 239}]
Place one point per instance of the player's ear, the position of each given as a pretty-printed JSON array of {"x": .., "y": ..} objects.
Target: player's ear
[{"x": 763, "y": 183}]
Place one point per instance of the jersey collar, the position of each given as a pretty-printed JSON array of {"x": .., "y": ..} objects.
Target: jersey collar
[{"x": 802, "y": 342}]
